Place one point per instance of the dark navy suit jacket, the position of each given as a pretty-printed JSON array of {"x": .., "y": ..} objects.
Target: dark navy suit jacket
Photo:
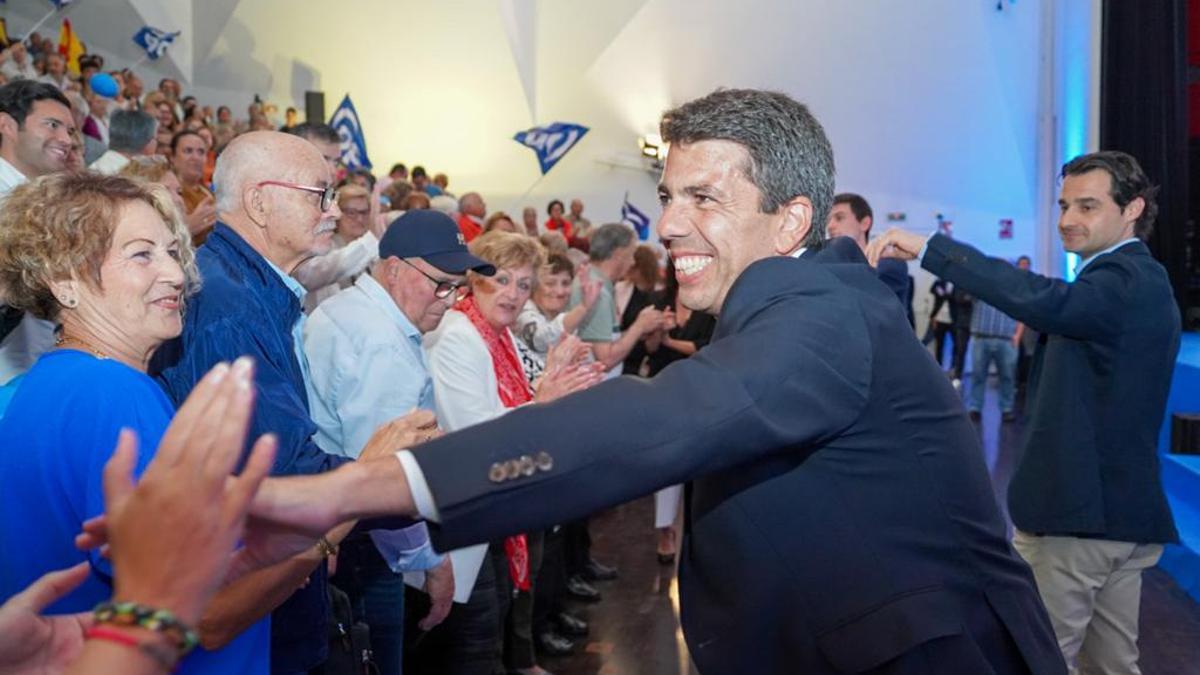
[
  {"x": 1098, "y": 388},
  {"x": 840, "y": 517}
]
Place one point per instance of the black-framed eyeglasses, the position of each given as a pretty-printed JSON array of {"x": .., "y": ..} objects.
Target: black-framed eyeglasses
[
  {"x": 328, "y": 193},
  {"x": 442, "y": 289}
]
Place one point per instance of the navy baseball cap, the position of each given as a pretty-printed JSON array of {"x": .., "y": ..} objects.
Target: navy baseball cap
[{"x": 435, "y": 237}]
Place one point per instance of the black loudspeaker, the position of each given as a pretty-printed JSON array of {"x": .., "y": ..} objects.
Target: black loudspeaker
[
  {"x": 1185, "y": 433},
  {"x": 314, "y": 107}
]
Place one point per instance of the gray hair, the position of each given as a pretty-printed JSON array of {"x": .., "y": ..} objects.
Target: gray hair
[
  {"x": 790, "y": 155},
  {"x": 606, "y": 239},
  {"x": 130, "y": 130}
]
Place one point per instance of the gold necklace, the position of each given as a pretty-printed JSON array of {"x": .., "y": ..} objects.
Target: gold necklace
[{"x": 62, "y": 340}]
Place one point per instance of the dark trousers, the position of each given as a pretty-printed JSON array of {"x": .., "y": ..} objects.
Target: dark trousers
[
  {"x": 376, "y": 598},
  {"x": 551, "y": 581},
  {"x": 961, "y": 336},
  {"x": 515, "y": 651},
  {"x": 576, "y": 546},
  {"x": 463, "y": 644}
]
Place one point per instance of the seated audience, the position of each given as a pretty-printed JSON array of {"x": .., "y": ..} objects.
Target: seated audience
[
  {"x": 188, "y": 155},
  {"x": 500, "y": 221}
]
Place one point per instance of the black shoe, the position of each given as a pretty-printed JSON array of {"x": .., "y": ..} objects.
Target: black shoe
[
  {"x": 553, "y": 644},
  {"x": 594, "y": 571},
  {"x": 572, "y": 625},
  {"x": 976, "y": 415},
  {"x": 582, "y": 590},
  {"x": 666, "y": 558},
  {"x": 1009, "y": 416}
]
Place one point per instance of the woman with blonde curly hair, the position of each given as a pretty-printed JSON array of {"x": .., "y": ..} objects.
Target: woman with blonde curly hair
[
  {"x": 109, "y": 260},
  {"x": 156, "y": 169}
]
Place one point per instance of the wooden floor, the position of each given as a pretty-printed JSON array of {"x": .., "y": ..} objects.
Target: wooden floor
[{"x": 635, "y": 628}]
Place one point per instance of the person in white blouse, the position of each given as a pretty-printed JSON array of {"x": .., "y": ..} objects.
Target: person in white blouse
[
  {"x": 477, "y": 377},
  {"x": 542, "y": 321}
]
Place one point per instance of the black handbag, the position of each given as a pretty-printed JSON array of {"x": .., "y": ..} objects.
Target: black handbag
[{"x": 349, "y": 640}]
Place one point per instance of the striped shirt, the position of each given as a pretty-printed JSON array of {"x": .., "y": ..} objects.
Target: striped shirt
[{"x": 987, "y": 321}]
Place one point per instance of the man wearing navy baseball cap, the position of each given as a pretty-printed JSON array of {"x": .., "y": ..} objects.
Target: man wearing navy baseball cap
[{"x": 367, "y": 367}]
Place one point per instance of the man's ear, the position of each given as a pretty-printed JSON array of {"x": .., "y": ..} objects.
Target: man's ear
[
  {"x": 254, "y": 203},
  {"x": 794, "y": 224},
  {"x": 8, "y": 125},
  {"x": 1134, "y": 209}
]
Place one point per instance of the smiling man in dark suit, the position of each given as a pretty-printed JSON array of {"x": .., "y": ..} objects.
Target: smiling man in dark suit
[
  {"x": 839, "y": 517},
  {"x": 1086, "y": 498}
]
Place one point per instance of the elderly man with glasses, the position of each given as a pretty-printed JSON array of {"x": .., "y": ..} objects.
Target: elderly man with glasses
[
  {"x": 364, "y": 345},
  {"x": 277, "y": 207}
]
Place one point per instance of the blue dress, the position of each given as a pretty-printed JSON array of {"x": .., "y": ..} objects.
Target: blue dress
[{"x": 59, "y": 430}]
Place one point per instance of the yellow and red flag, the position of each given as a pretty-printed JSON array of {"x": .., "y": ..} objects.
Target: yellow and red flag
[{"x": 70, "y": 47}]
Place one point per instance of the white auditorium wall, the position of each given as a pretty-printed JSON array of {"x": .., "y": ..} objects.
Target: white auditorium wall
[{"x": 931, "y": 104}]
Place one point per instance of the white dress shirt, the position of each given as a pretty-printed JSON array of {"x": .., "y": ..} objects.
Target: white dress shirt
[{"x": 110, "y": 163}]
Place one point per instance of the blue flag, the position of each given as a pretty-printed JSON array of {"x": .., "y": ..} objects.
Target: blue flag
[
  {"x": 551, "y": 142},
  {"x": 634, "y": 216},
  {"x": 354, "y": 146},
  {"x": 154, "y": 41}
]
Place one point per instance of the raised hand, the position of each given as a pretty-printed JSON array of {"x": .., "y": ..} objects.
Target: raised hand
[
  {"x": 895, "y": 243},
  {"x": 401, "y": 433},
  {"x": 172, "y": 535},
  {"x": 42, "y": 645}
]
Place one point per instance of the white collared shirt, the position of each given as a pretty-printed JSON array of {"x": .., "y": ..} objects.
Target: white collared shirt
[{"x": 1084, "y": 263}]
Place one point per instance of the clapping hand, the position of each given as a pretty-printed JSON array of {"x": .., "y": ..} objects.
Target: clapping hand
[
  {"x": 42, "y": 645},
  {"x": 172, "y": 535}
]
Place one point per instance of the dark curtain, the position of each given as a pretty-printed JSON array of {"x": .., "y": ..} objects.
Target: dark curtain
[{"x": 1143, "y": 111}]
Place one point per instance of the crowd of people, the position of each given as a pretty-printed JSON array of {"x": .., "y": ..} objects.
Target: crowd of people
[{"x": 187, "y": 296}]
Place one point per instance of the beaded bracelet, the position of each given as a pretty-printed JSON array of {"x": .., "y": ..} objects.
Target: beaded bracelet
[
  {"x": 163, "y": 655},
  {"x": 157, "y": 620}
]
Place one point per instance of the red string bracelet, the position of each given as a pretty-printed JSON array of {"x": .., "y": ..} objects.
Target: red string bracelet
[
  {"x": 112, "y": 635},
  {"x": 164, "y": 656}
]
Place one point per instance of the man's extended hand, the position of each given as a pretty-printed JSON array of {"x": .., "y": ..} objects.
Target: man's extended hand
[
  {"x": 895, "y": 243},
  {"x": 439, "y": 584},
  {"x": 42, "y": 645},
  {"x": 402, "y": 433}
]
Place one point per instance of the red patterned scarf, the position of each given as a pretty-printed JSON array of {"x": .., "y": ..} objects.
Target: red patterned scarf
[{"x": 514, "y": 390}]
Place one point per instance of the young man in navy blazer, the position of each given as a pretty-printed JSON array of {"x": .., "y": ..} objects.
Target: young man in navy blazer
[
  {"x": 1086, "y": 498},
  {"x": 838, "y": 515}
]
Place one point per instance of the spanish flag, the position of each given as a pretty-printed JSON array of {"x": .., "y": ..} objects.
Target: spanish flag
[{"x": 70, "y": 47}]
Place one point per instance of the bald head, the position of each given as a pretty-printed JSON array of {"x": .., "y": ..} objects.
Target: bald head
[
  {"x": 272, "y": 190},
  {"x": 257, "y": 156}
]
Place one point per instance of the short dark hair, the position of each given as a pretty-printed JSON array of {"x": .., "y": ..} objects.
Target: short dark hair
[
  {"x": 130, "y": 130},
  {"x": 398, "y": 166},
  {"x": 858, "y": 206},
  {"x": 1129, "y": 182},
  {"x": 790, "y": 154},
  {"x": 418, "y": 172},
  {"x": 179, "y": 136},
  {"x": 315, "y": 131},
  {"x": 550, "y": 206},
  {"x": 17, "y": 98}
]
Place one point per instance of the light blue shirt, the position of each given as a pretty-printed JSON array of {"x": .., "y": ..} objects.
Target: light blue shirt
[
  {"x": 1084, "y": 263},
  {"x": 367, "y": 368},
  {"x": 297, "y": 328}
]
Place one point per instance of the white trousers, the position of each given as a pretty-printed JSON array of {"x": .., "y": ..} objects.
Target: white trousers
[{"x": 1092, "y": 589}]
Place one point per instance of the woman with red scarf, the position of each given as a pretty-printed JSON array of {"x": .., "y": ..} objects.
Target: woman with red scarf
[
  {"x": 557, "y": 222},
  {"x": 477, "y": 376}
]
